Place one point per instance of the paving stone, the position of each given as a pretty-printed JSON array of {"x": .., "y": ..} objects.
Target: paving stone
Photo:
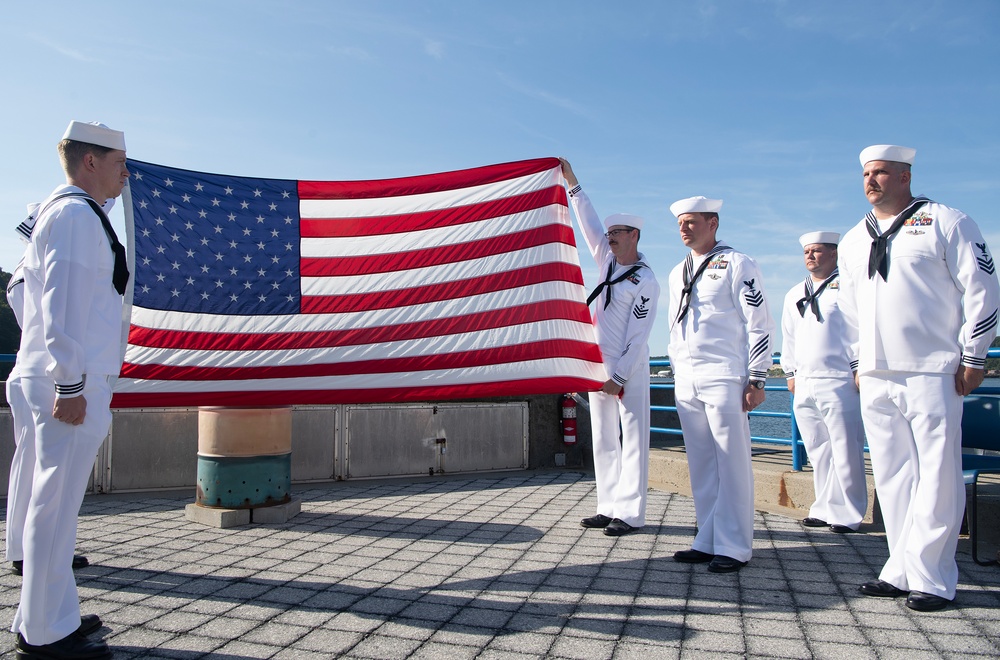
[
  {"x": 497, "y": 567},
  {"x": 331, "y": 642}
]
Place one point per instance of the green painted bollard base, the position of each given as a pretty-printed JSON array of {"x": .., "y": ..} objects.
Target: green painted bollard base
[{"x": 246, "y": 482}]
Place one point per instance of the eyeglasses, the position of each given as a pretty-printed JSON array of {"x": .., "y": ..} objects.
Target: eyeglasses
[{"x": 615, "y": 232}]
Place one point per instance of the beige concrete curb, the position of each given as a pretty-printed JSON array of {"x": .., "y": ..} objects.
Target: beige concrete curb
[{"x": 777, "y": 488}]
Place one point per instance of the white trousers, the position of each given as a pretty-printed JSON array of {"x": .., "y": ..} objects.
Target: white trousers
[
  {"x": 717, "y": 442},
  {"x": 64, "y": 459},
  {"x": 914, "y": 428},
  {"x": 22, "y": 467},
  {"x": 622, "y": 468},
  {"x": 828, "y": 413}
]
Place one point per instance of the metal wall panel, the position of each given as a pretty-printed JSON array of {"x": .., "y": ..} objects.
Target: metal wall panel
[
  {"x": 314, "y": 443},
  {"x": 486, "y": 437},
  {"x": 411, "y": 439},
  {"x": 152, "y": 448},
  {"x": 156, "y": 448}
]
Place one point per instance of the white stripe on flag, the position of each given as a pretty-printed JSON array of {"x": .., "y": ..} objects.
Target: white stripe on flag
[
  {"x": 400, "y": 205},
  {"x": 566, "y": 367}
]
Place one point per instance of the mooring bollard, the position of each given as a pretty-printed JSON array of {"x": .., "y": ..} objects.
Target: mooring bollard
[{"x": 244, "y": 466}]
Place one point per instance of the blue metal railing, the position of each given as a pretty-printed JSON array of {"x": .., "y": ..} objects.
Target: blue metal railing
[{"x": 795, "y": 440}]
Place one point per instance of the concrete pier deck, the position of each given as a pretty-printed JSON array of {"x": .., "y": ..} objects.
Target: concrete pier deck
[{"x": 491, "y": 566}]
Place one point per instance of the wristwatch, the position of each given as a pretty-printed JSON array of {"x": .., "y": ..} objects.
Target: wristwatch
[{"x": 759, "y": 384}]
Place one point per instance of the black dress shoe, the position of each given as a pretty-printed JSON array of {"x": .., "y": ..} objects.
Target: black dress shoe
[
  {"x": 595, "y": 521},
  {"x": 71, "y": 647},
  {"x": 89, "y": 623},
  {"x": 921, "y": 602},
  {"x": 724, "y": 564},
  {"x": 842, "y": 529},
  {"x": 618, "y": 528},
  {"x": 692, "y": 556},
  {"x": 813, "y": 522},
  {"x": 881, "y": 589},
  {"x": 79, "y": 561}
]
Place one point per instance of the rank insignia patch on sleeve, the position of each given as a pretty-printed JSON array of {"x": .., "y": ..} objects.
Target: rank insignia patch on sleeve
[
  {"x": 984, "y": 259},
  {"x": 640, "y": 311},
  {"x": 753, "y": 297}
]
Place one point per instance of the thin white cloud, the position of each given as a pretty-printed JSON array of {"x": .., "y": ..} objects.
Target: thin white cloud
[
  {"x": 544, "y": 96},
  {"x": 434, "y": 48},
  {"x": 883, "y": 20},
  {"x": 707, "y": 10},
  {"x": 62, "y": 50},
  {"x": 351, "y": 52}
]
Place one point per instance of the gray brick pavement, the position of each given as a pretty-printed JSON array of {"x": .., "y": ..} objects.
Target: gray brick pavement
[{"x": 491, "y": 567}]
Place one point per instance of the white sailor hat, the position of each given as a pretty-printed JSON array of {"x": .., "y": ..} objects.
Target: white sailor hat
[
  {"x": 697, "y": 204},
  {"x": 819, "y": 237},
  {"x": 626, "y": 219},
  {"x": 889, "y": 152},
  {"x": 95, "y": 133}
]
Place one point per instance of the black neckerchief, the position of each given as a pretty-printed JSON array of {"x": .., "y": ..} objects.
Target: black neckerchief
[
  {"x": 878, "y": 257},
  {"x": 120, "y": 275},
  {"x": 690, "y": 279},
  {"x": 811, "y": 300},
  {"x": 608, "y": 282}
]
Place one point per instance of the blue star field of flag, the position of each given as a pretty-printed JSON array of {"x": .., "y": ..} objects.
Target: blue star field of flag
[{"x": 213, "y": 244}]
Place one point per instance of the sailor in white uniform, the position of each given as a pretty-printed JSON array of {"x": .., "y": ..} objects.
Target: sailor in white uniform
[
  {"x": 720, "y": 350},
  {"x": 22, "y": 465},
  {"x": 919, "y": 289},
  {"x": 826, "y": 405},
  {"x": 74, "y": 277},
  {"x": 624, "y": 310}
]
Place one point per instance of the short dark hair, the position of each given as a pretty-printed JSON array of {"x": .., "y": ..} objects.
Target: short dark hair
[{"x": 71, "y": 153}]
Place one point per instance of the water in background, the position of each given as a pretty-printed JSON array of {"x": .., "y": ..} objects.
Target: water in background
[
  {"x": 780, "y": 400},
  {"x": 776, "y": 400}
]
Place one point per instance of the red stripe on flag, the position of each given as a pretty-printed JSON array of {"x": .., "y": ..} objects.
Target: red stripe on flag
[
  {"x": 425, "y": 183},
  {"x": 449, "y": 217},
  {"x": 363, "y": 302},
  {"x": 531, "y": 386},
  {"x": 445, "y": 254},
  {"x": 552, "y": 348},
  {"x": 276, "y": 341}
]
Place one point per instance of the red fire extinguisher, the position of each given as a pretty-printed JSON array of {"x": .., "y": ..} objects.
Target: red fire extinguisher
[{"x": 569, "y": 419}]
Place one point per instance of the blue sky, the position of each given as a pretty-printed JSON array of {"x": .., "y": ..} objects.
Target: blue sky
[{"x": 763, "y": 103}]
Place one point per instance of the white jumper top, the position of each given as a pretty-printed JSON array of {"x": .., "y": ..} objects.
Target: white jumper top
[
  {"x": 938, "y": 306},
  {"x": 72, "y": 313},
  {"x": 624, "y": 326},
  {"x": 727, "y": 329},
  {"x": 815, "y": 347}
]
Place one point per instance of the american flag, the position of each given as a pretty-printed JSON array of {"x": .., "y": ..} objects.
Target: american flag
[{"x": 253, "y": 291}]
